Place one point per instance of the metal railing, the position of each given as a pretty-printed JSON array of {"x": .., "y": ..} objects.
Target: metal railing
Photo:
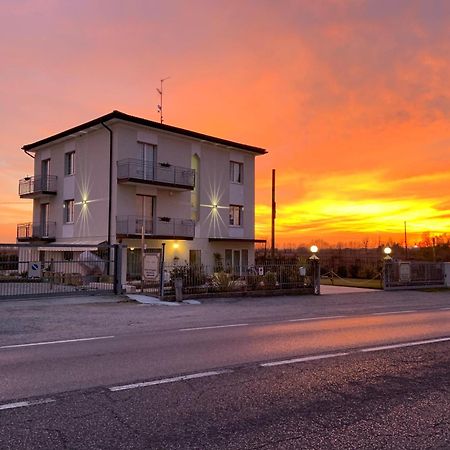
[
  {"x": 159, "y": 173},
  {"x": 28, "y": 231},
  {"x": 33, "y": 270},
  {"x": 202, "y": 279},
  {"x": 412, "y": 274},
  {"x": 162, "y": 226},
  {"x": 38, "y": 185}
]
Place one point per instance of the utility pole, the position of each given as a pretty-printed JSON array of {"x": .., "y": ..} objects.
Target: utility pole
[
  {"x": 160, "y": 106},
  {"x": 406, "y": 244},
  {"x": 274, "y": 214}
]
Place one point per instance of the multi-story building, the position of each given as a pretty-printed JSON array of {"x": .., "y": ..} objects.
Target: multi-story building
[{"x": 119, "y": 178}]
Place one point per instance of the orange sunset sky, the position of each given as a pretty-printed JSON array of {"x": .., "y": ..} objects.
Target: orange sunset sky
[{"x": 350, "y": 97}]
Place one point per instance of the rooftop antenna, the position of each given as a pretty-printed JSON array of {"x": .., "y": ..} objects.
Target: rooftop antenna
[{"x": 160, "y": 106}]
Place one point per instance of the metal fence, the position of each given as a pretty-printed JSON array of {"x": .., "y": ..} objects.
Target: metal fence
[
  {"x": 30, "y": 270},
  {"x": 202, "y": 279},
  {"x": 412, "y": 274}
]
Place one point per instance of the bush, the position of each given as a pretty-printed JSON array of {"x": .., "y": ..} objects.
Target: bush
[
  {"x": 342, "y": 271},
  {"x": 270, "y": 280}
]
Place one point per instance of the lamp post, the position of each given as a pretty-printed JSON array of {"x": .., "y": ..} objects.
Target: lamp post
[
  {"x": 315, "y": 269},
  {"x": 387, "y": 267}
]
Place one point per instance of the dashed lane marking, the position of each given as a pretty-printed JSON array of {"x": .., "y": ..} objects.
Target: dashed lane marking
[
  {"x": 168, "y": 380},
  {"x": 406, "y": 344},
  {"x": 306, "y": 319},
  {"x": 394, "y": 312},
  {"x": 32, "y": 344},
  {"x": 304, "y": 359},
  {"x": 214, "y": 326},
  {"x": 24, "y": 404}
]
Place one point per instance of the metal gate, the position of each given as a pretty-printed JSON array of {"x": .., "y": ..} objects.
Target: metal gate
[
  {"x": 412, "y": 274},
  {"x": 36, "y": 270}
]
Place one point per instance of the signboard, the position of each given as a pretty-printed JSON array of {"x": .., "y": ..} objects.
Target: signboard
[
  {"x": 405, "y": 272},
  {"x": 151, "y": 267},
  {"x": 261, "y": 271},
  {"x": 302, "y": 271},
  {"x": 34, "y": 270}
]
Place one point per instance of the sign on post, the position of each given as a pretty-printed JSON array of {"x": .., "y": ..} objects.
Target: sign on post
[
  {"x": 34, "y": 269},
  {"x": 151, "y": 267}
]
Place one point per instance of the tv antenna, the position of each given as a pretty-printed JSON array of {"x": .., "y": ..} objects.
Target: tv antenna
[{"x": 160, "y": 106}]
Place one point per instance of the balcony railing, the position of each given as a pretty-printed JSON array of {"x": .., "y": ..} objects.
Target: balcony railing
[
  {"x": 36, "y": 231},
  {"x": 35, "y": 186},
  {"x": 162, "y": 227},
  {"x": 136, "y": 170}
]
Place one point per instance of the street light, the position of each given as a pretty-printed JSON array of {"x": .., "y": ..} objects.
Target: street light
[{"x": 387, "y": 251}]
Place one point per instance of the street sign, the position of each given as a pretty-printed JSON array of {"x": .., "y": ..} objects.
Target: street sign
[
  {"x": 151, "y": 267},
  {"x": 34, "y": 270}
]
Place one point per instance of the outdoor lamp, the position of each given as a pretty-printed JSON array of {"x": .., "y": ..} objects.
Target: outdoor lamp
[
  {"x": 314, "y": 249},
  {"x": 387, "y": 251}
]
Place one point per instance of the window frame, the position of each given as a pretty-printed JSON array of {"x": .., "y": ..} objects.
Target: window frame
[
  {"x": 69, "y": 163},
  {"x": 231, "y": 213},
  {"x": 240, "y": 173},
  {"x": 69, "y": 211}
]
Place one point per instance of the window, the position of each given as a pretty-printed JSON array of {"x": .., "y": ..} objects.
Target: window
[
  {"x": 68, "y": 255},
  {"x": 236, "y": 172},
  {"x": 69, "y": 163},
  {"x": 68, "y": 211},
  {"x": 236, "y": 215}
]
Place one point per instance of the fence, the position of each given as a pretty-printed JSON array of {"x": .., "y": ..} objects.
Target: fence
[
  {"x": 412, "y": 274},
  {"x": 35, "y": 270},
  {"x": 202, "y": 279}
]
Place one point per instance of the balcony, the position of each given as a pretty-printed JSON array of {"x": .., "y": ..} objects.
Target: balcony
[
  {"x": 160, "y": 228},
  {"x": 137, "y": 171},
  {"x": 36, "y": 232},
  {"x": 34, "y": 187}
]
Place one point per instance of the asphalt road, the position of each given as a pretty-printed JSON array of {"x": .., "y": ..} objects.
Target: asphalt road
[{"x": 332, "y": 374}]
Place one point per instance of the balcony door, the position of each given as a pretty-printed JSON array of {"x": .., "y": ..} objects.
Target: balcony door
[
  {"x": 44, "y": 220},
  {"x": 45, "y": 172},
  {"x": 145, "y": 206},
  {"x": 147, "y": 158}
]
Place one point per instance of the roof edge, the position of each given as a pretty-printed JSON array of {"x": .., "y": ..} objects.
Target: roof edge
[{"x": 145, "y": 122}]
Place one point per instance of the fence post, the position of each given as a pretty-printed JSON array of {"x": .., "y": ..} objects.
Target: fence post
[
  {"x": 161, "y": 272},
  {"x": 118, "y": 261},
  {"x": 315, "y": 269},
  {"x": 387, "y": 272}
]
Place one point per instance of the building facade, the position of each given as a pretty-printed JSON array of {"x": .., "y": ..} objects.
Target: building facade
[{"x": 125, "y": 179}]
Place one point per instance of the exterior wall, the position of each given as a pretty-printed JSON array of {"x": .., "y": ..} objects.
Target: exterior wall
[{"x": 89, "y": 187}]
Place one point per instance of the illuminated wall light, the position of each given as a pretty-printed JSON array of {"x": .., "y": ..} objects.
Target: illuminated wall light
[
  {"x": 314, "y": 249},
  {"x": 176, "y": 245}
]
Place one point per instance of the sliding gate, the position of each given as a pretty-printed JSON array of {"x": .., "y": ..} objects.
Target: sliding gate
[{"x": 32, "y": 270}]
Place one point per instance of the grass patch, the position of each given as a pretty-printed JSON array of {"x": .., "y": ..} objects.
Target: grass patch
[{"x": 352, "y": 282}]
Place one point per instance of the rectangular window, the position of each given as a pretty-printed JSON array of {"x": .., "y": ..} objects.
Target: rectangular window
[
  {"x": 68, "y": 211},
  {"x": 236, "y": 215},
  {"x": 236, "y": 172},
  {"x": 69, "y": 163}
]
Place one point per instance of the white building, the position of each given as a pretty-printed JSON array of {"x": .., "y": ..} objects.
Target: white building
[{"x": 108, "y": 179}]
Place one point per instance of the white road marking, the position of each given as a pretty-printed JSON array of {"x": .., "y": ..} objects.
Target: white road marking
[
  {"x": 405, "y": 344},
  {"x": 315, "y": 318},
  {"x": 23, "y": 404},
  {"x": 56, "y": 342},
  {"x": 444, "y": 309},
  {"x": 215, "y": 326},
  {"x": 168, "y": 380},
  {"x": 394, "y": 312},
  {"x": 304, "y": 359}
]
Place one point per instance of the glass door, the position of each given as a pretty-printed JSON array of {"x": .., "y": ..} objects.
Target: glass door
[
  {"x": 44, "y": 220},
  {"x": 147, "y": 157},
  {"x": 145, "y": 205}
]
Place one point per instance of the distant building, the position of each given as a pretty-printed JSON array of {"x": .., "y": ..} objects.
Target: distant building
[{"x": 118, "y": 176}]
